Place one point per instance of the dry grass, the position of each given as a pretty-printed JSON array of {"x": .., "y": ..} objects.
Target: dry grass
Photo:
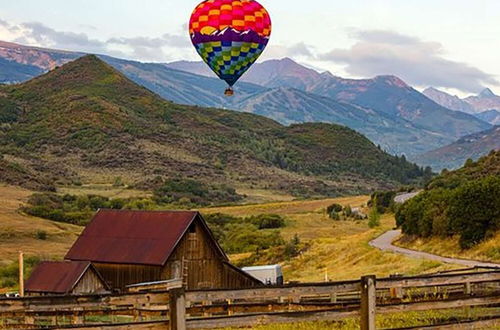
[
  {"x": 488, "y": 251},
  {"x": 105, "y": 190},
  {"x": 338, "y": 249},
  {"x": 396, "y": 320},
  {"x": 19, "y": 232}
]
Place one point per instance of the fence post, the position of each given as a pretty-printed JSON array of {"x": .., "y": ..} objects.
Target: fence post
[
  {"x": 467, "y": 288},
  {"x": 368, "y": 302},
  {"x": 21, "y": 274},
  {"x": 177, "y": 311}
]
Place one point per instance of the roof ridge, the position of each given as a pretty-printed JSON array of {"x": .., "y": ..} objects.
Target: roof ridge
[{"x": 148, "y": 211}]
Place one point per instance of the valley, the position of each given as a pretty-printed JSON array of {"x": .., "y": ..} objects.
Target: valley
[{"x": 336, "y": 249}]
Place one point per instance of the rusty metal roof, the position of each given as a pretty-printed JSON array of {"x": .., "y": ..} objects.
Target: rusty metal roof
[
  {"x": 56, "y": 277},
  {"x": 131, "y": 237}
]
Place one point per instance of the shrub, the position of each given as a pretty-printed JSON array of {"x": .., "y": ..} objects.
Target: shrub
[
  {"x": 384, "y": 199},
  {"x": 268, "y": 221},
  {"x": 374, "y": 218},
  {"x": 41, "y": 235},
  {"x": 470, "y": 210},
  {"x": 334, "y": 208}
]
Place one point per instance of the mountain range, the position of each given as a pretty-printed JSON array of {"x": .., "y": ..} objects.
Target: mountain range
[
  {"x": 485, "y": 105},
  {"x": 385, "y": 109},
  {"x": 85, "y": 120},
  {"x": 452, "y": 156}
]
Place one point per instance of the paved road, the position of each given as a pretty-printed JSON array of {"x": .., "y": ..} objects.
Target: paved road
[
  {"x": 384, "y": 243},
  {"x": 400, "y": 199}
]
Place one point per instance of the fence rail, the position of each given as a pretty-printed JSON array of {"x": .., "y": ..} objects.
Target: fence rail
[{"x": 176, "y": 309}]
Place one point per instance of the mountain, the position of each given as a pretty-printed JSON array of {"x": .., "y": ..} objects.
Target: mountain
[
  {"x": 180, "y": 86},
  {"x": 268, "y": 73},
  {"x": 486, "y": 100},
  {"x": 423, "y": 124},
  {"x": 289, "y": 105},
  {"x": 393, "y": 97},
  {"x": 86, "y": 120},
  {"x": 452, "y": 102},
  {"x": 20, "y": 63},
  {"x": 454, "y": 155},
  {"x": 385, "y": 109},
  {"x": 490, "y": 116}
]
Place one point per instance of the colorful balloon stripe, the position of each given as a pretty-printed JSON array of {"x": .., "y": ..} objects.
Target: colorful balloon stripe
[
  {"x": 230, "y": 35},
  {"x": 229, "y": 62},
  {"x": 241, "y": 15}
]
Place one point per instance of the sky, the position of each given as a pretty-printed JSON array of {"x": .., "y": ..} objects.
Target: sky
[{"x": 453, "y": 45}]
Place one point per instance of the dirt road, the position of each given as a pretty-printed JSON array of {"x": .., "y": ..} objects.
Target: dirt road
[{"x": 384, "y": 243}]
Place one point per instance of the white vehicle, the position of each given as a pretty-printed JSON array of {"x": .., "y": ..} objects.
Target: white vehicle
[
  {"x": 12, "y": 295},
  {"x": 269, "y": 275}
]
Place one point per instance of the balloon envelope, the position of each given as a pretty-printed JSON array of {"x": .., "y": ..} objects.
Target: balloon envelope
[{"x": 230, "y": 35}]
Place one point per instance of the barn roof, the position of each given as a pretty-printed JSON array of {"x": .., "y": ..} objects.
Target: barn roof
[
  {"x": 57, "y": 277},
  {"x": 133, "y": 237}
]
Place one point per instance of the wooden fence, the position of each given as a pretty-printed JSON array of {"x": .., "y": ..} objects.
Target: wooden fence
[{"x": 173, "y": 308}]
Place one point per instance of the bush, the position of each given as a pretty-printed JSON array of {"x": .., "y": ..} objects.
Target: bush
[
  {"x": 268, "y": 221},
  {"x": 334, "y": 208},
  {"x": 251, "y": 234},
  {"x": 384, "y": 199},
  {"x": 196, "y": 192},
  {"x": 374, "y": 216},
  {"x": 41, "y": 235},
  {"x": 347, "y": 211},
  {"x": 470, "y": 210}
]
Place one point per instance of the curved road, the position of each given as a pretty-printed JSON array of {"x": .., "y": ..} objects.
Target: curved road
[{"x": 384, "y": 243}]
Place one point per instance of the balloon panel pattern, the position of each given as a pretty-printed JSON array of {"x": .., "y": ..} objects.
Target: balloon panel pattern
[{"x": 230, "y": 35}]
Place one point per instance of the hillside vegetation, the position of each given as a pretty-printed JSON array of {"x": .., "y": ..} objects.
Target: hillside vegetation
[
  {"x": 463, "y": 203},
  {"x": 86, "y": 118}
]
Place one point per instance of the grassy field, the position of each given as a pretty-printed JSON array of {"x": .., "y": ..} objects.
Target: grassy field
[
  {"x": 105, "y": 190},
  {"x": 21, "y": 232},
  {"x": 488, "y": 250},
  {"x": 396, "y": 320},
  {"x": 338, "y": 249}
]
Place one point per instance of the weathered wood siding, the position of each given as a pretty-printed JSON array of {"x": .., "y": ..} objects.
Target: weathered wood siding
[
  {"x": 90, "y": 283},
  {"x": 119, "y": 276},
  {"x": 202, "y": 264}
]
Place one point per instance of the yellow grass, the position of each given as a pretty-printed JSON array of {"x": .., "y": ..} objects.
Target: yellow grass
[
  {"x": 488, "y": 251},
  {"x": 394, "y": 320},
  {"x": 105, "y": 190},
  {"x": 339, "y": 249},
  {"x": 18, "y": 231}
]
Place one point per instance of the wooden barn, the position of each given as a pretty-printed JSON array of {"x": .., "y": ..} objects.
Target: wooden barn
[
  {"x": 65, "y": 278},
  {"x": 131, "y": 247}
]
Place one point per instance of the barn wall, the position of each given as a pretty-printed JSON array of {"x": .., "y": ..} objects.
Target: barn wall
[
  {"x": 89, "y": 283},
  {"x": 119, "y": 276},
  {"x": 197, "y": 256}
]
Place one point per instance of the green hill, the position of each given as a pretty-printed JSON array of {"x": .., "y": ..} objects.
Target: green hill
[
  {"x": 85, "y": 121},
  {"x": 464, "y": 203}
]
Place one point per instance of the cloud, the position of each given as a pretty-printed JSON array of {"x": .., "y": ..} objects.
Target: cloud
[
  {"x": 418, "y": 62},
  {"x": 294, "y": 50},
  {"x": 44, "y": 35},
  {"x": 139, "y": 48}
]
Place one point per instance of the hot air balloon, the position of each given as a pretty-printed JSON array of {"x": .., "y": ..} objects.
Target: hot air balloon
[{"x": 230, "y": 35}]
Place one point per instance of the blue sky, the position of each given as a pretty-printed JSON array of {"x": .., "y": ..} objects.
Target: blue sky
[{"x": 454, "y": 45}]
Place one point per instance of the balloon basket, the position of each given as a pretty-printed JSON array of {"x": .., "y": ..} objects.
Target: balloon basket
[{"x": 229, "y": 92}]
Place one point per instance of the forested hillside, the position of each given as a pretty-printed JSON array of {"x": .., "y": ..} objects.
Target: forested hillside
[
  {"x": 85, "y": 118},
  {"x": 465, "y": 202}
]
